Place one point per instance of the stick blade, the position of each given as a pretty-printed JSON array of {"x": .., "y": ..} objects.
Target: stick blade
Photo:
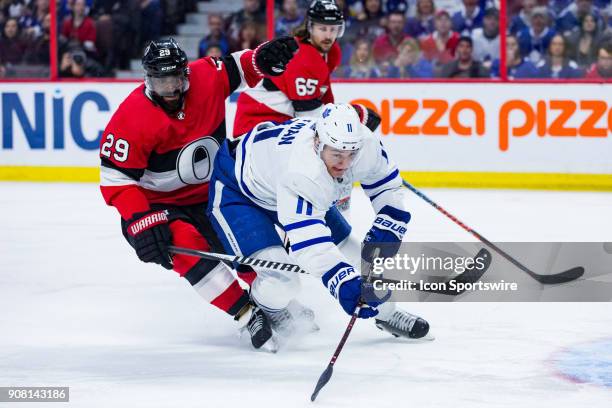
[
  {"x": 562, "y": 277},
  {"x": 471, "y": 275},
  {"x": 323, "y": 379}
]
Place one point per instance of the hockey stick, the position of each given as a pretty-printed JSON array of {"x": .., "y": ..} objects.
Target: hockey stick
[
  {"x": 243, "y": 260},
  {"x": 327, "y": 373},
  {"x": 471, "y": 275},
  {"x": 561, "y": 277}
]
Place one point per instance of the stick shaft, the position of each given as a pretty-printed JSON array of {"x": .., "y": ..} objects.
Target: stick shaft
[
  {"x": 473, "y": 232},
  {"x": 243, "y": 260},
  {"x": 345, "y": 336},
  {"x": 467, "y": 228}
]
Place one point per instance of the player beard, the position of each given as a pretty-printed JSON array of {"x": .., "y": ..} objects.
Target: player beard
[
  {"x": 323, "y": 46},
  {"x": 172, "y": 102}
]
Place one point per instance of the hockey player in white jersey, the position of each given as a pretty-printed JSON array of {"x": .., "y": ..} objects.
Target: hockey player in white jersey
[{"x": 290, "y": 175}]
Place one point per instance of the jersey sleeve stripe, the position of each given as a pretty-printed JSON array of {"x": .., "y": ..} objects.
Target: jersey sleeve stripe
[
  {"x": 306, "y": 105},
  {"x": 384, "y": 153},
  {"x": 300, "y": 205},
  {"x": 302, "y": 224},
  {"x": 113, "y": 177},
  {"x": 234, "y": 70},
  {"x": 134, "y": 174},
  {"x": 310, "y": 242},
  {"x": 375, "y": 196},
  {"x": 381, "y": 182},
  {"x": 308, "y": 208},
  {"x": 269, "y": 85}
]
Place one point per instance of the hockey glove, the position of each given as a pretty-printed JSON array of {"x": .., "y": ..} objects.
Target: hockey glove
[
  {"x": 150, "y": 236},
  {"x": 367, "y": 116},
  {"x": 344, "y": 283},
  {"x": 386, "y": 234},
  {"x": 272, "y": 57}
]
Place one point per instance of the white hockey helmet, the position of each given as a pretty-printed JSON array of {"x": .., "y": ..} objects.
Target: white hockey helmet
[{"x": 339, "y": 127}]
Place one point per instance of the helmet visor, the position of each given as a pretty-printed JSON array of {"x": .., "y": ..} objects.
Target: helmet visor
[
  {"x": 167, "y": 86},
  {"x": 332, "y": 28}
]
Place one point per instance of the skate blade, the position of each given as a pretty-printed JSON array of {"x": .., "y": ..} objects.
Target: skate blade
[
  {"x": 270, "y": 346},
  {"x": 427, "y": 338}
]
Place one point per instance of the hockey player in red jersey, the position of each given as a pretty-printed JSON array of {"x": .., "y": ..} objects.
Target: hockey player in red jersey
[
  {"x": 305, "y": 86},
  {"x": 157, "y": 153}
]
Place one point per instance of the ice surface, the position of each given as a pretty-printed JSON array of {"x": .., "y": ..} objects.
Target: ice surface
[{"x": 78, "y": 309}]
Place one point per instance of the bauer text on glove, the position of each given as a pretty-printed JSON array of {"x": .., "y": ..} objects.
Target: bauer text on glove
[
  {"x": 386, "y": 233},
  {"x": 344, "y": 283}
]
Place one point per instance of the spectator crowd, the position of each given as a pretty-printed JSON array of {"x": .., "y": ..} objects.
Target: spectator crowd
[
  {"x": 559, "y": 39},
  {"x": 461, "y": 38},
  {"x": 24, "y": 38},
  {"x": 95, "y": 37}
]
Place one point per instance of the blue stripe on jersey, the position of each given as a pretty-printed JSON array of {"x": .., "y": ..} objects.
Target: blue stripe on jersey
[
  {"x": 242, "y": 183},
  {"x": 376, "y": 195},
  {"x": 267, "y": 134},
  {"x": 310, "y": 242},
  {"x": 381, "y": 182},
  {"x": 300, "y": 204},
  {"x": 383, "y": 152},
  {"x": 308, "y": 208},
  {"x": 302, "y": 224},
  {"x": 395, "y": 213}
]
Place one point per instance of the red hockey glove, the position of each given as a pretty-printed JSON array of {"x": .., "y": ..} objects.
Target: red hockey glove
[{"x": 150, "y": 235}]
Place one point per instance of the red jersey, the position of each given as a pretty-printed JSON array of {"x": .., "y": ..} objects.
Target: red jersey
[
  {"x": 85, "y": 32},
  {"x": 149, "y": 156},
  {"x": 384, "y": 48},
  {"x": 303, "y": 87},
  {"x": 432, "y": 53}
]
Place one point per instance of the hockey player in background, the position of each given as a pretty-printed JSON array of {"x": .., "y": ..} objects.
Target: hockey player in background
[
  {"x": 290, "y": 175},
  {"x": 305, "y": 86},
  {"x": 157, "y": 153}
]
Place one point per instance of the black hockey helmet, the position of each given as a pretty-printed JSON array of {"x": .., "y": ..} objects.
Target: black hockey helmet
[
  {"x": 163, "y": 58},
  {"x": 325, "y": 12},
  {"x": 166, "y": 72}
]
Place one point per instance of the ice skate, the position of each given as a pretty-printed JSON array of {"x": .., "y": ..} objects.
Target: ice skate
[
  {"x": 259, "y": 330},
  {"x": 400, "y": 323}
]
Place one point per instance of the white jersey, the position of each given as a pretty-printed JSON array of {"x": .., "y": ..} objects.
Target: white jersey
[{"x": 278, "y": 168}]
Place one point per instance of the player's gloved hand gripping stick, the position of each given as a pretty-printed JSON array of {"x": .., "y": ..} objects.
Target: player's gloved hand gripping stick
[{"x": 150, "y": 236}]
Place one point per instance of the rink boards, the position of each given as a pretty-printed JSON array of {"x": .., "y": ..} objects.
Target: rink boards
[{"x": 539, "y": 136}]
